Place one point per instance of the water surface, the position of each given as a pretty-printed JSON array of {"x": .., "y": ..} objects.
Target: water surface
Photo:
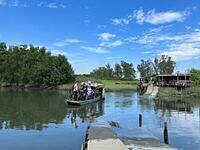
[{"x": 39, "y": 120}]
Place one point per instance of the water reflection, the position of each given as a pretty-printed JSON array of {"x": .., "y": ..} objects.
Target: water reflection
[
  {"x": 34, "y": 110},
  {"x": 46, "y": 112},
  {"x": 87, "y": 113},
  {"x": 169, "y": 106}
]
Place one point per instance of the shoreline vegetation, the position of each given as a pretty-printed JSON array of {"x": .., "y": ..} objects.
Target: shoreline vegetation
[
  {"x": 28, "y": 66},
  {"x": 189, "y": 94},
  {"x": 33, "y": 67},
  {"x": 110, "y": 85}
]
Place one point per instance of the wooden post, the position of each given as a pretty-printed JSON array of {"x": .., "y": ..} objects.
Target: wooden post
[
  {"x": 140, "y": 120},
  {"x": 166, "y": 141}
]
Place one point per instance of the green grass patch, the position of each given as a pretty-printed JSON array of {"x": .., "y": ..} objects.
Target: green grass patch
[
  {"x": 111, "y": 85},
  {"x": 188, "y": 94},
  {"x": 119, "y": 85},
  {"x": 65, "y": 86}
]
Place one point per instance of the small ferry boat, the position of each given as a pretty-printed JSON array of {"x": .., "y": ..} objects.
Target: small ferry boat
[{"x": 98, "y": 94}]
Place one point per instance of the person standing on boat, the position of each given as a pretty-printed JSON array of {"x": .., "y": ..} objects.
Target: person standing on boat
[
  {"x": 83, "y": 91},
  {"x": 75, "y": 91},
  {"x": 89, "y": 90}
]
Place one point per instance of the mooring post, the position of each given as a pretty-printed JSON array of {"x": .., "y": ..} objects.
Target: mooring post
[
  {"x": 166, "y": 141},
  {"x": 140, "y": 120}
]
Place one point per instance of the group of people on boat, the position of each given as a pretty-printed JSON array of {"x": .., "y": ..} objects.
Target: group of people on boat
[{"x": 84, "y": 91}]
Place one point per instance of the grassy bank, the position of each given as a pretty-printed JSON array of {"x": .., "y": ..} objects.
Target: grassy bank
[
  {"x": 64, "y": 86},
  {"x": 187, "y": 94},
  {"x": 119, "y": 85},
  {"x": 111, "y": 85}
]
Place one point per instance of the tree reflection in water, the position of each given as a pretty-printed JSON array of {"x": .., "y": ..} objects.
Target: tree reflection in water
[
  {"x": 34, "y": 110},
  {"x": 170, "y": 106},
  {"x": 27, "y": 110}
]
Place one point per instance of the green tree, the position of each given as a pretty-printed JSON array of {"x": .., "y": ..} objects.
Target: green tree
[
  {"x": 109, "y": 71},
  {"x": 128, "y": 70},
  {"x": 195, "y": 76},
  {"x": 103, "y": 72},
  {"x": 118, "y": 71},
  {"x": 29, "y": 65},
  {"x": 164, "y": 64},
  {"x": 146, "y": 69},
  {"x": 3, "y": 49}
]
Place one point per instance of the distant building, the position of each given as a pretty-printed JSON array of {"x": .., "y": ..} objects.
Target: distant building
[{"x": 173, "y": 80}]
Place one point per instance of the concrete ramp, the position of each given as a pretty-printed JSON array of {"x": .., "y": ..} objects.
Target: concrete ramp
[
  {"x": 103, "y": 138},
  {"x": 152, "y": 91},
  {"x": 145, "y": 144}
]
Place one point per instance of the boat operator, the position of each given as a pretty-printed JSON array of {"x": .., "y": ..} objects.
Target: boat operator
[{"x": 75, "y": 90}]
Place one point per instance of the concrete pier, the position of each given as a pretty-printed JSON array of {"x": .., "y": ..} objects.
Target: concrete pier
[
  {"x": 152, "y": 91},
  {"x": 145, "y": 144},
  {"x": 104, "y": 138}
]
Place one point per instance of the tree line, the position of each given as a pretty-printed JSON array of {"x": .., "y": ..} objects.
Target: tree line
[
  {"x": 29, "y": 65},
  {"x": 161, "y": 65},
  {"x": 123, "y": 70},
  {"x": 147, "y": 68},
  {"x": 195, "y": 76}
]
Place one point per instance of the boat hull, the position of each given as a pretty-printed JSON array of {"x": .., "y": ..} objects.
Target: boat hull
[{"x": 83, "y": 102}]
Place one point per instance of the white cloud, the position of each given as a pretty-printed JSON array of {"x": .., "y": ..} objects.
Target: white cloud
[
  {"x": 55, "y": 5},
  {"x": 111, "y": 44},
  {"x": 58, "y": 52},
  {"x": 113, "y": 58},
  {"x": 18, "y": 3},
  {"x": 148, "y": 52},
  {"x": 2, "y": 2},
  {"x": 95, "y": 49},
  {"x": 106, "y": 36},
  {"x": 181, "y": 46},
  {"x": 188, "y": 27},
  {"x": 122, "y": 21},
  {"x": 14, "y": 3},
  {"x": 67, "y": 42},
  {"x": 152, "y": 17},
  {"x": 52, "y": 5},
  {"x": 180, "y": 52},
  {"x": 156, "y": 18}
]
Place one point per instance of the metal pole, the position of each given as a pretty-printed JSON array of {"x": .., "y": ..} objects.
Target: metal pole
[
  {"x": 166, "y": 141},
  {"x": 140, "y": 120}
]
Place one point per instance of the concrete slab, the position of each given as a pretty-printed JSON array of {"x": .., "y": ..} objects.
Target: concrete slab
[
  {"x": 108, "y": 144},
  {"x": 103, "y": 138},
  {"x": 152, "y": 91},
  {"x": 145, "y": 144}
]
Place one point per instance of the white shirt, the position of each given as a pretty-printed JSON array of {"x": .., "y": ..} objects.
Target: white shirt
[
  {"x": 75, "y": 87},
  {"x": 89, "y": 90}
]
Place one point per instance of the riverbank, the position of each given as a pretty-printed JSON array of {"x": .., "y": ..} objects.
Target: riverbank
[
  {"x": 119, "y": 85},
  {"x": 171, "y": 94},
  {"x": 111, "y": 85}
]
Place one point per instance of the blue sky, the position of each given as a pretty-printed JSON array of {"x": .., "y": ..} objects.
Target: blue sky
[{"x": 92, "y": 33}]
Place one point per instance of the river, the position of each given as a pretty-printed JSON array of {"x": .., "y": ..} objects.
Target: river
[{"x": 40, "y": 120}]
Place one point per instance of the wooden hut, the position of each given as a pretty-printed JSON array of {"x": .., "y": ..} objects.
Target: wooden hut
[{"x": 173, "y": 80}]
